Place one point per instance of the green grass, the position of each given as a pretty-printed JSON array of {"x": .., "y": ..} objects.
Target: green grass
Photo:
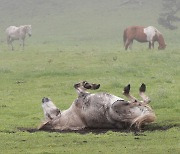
[
  {"x": 110, "y": 142},
  {"x": 83, "y": 41},
  {"x": 27, "y": 76}
]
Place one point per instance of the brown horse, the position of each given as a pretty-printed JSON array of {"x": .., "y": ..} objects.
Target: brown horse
[{"x": 143, "y": 34}]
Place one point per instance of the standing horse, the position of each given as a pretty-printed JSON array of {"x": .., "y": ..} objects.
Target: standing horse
[
  {"x": 17, "y": 33},
  {"x": 143, "y": 34}
]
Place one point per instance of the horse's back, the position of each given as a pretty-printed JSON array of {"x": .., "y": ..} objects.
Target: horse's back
[
  {"x": 134, "y": 32},
  {"x": 11, "y": 29}
]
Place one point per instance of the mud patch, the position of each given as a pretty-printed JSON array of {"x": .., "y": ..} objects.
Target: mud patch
[
  {"x": 82, "y": 131},
  {"x": 154, "y": 127}
]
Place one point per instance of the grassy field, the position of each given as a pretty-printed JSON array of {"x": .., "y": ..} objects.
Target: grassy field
[{"x": 82, "y": 40}]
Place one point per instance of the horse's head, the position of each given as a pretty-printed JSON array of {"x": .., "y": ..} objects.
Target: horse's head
[
  {"x": 161, "y": 47},
  {"x": 50, "y": 110},
  {"x": 161, "y": 42}
]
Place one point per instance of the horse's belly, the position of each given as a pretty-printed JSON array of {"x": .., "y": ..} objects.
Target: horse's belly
[
  {"x": 14, "y": 37},
  {"x": 95, "y": 109},
  {"x": 96, "y": 118}
]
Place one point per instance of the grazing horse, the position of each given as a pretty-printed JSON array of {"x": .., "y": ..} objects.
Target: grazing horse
[
  {"x": 98, "y": 110},
  {"x": 17, "y": 33},
  {"x": 143, "y": 34}
]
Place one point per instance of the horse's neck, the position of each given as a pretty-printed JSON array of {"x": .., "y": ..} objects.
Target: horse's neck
[{"x": 23, "y": 29}]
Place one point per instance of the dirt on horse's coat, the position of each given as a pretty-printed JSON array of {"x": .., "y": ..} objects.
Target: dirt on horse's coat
[{"x": 143, "y": 34}]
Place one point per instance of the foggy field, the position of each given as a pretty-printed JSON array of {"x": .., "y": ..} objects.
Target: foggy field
[{"x": 82, "y": 40}]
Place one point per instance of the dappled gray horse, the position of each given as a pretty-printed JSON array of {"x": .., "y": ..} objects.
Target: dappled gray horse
[
  {"x": 100, "y": 110},
  {"x": 18, "y": 33}
]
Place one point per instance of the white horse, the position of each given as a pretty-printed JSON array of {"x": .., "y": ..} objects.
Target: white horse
[{"x": 18, "y": 33}]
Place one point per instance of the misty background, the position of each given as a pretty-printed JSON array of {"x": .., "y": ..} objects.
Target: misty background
[{"x": 83, "y": 23}]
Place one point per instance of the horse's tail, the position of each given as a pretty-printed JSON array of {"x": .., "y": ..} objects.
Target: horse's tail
[
  {"x": 124, "y": 37},
  {"x": 144, "y": 114},
  {"x": 144, "y": 118}
]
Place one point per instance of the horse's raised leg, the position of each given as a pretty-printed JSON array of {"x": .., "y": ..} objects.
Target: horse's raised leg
[
  {"x": 126, "y": 92},
  {"x": 142, "y": 91}
]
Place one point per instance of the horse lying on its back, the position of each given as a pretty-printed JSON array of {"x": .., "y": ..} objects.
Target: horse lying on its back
[
  {"x": 99, "y": 110},
  {"x": 143, "y": 34}
]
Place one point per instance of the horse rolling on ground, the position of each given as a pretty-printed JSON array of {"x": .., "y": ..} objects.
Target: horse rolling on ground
[
  {"x": 18, "y": 33},
  {"x": 98, "y": 110},
  {"x": 143, "y": 34}
]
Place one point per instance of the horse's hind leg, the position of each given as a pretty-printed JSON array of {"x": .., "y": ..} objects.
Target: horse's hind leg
[
  {"x": 128, "y": 42},
  {"x": 126, "y": 45},
  {"x": 130, "y": 45},
  {"x": 9, "y": 42},
  {"x": 22, "y": 43}
]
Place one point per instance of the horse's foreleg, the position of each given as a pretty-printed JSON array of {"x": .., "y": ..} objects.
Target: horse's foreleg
[
  {"x": 23, "y": 44},
  {"x": 12, "y": 46},
  {"x": 8, "y": 40},
  {"x": 153, "y": 45},
  {"x": 149, "y": 45},
  {"x": 10, "y": 43}
]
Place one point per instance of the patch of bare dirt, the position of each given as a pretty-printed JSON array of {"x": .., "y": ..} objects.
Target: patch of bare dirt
[{"x": 154, "y": 127}]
